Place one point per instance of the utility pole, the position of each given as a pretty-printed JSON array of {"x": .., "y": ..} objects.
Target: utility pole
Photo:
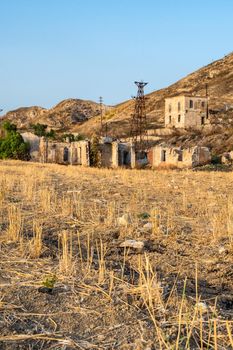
[
  {"x": 138, "y": 121},
  {"x": 207, "y": 103},
  {"x": 101, "y": 113}
]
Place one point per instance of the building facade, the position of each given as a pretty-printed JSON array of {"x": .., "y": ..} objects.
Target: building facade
[
  {"x": 73, "y": 153},
  {"x": 114, "y": 154},
  {"x": 163, "y": 155},
  {"x": 186, "y": 112}
]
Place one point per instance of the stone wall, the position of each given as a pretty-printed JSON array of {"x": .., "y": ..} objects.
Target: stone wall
[
  {"x": 116, "y": 154},
  {"x": 180, "y": 158},
  {"x": 200, "y": 156}
]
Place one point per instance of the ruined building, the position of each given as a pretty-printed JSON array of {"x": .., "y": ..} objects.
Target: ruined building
[
  {"x": 74, "y": 153},
  {"x": 111, "y": 153},
  {"x": 115, "y": 154},
  {"x": 179, "y": 157},
  {"x": 186, "y": 112}
]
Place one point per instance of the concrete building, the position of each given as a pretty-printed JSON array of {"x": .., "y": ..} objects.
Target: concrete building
[
  {"x": 181, "y": 158},
  {"x": 115, "y": 154},
  {"x": 186, "y": 112},
  {"x": 73, "y": 153}
]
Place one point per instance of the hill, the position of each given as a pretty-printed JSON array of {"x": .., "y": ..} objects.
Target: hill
[
  {"x": 218, "y": 75},
  {"x": 64, "y": 115},
  {"x": 75, "y": 115}
]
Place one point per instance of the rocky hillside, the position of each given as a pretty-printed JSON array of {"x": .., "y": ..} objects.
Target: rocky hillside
[
  {"x": 84, "y": 116},
  {"x": 218, "y": 75},
  {"x": 64, "y": 115}
]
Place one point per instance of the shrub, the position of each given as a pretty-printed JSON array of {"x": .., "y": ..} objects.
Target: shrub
[
  {"x": 79, "y": 137},
  {"x": 95, "y": 158},
  {"x": 72, "y": 137},
  {"x": 216, "y": 159},
  {"x": 39, "y": 129},
  {"x": 51, "y": 134},
  {"x": 9, "y": 126},
  {"x": 66, "y": 136},
  {"x": 13, "y": 146}
]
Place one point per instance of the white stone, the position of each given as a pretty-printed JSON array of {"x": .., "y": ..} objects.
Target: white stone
[
  {"x": 221, "y": 250},
  {"x": 131, "y": 243},
  {"x": 148, "y": 225},
  {"x": 202, "y": 306},
  {"x": 124, "y": 220}
]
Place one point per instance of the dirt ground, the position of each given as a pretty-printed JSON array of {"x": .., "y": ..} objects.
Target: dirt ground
[{"x": 115, "y": 259}]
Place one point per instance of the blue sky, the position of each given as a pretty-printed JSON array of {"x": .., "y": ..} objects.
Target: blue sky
[{"x": 57, "y": 49}]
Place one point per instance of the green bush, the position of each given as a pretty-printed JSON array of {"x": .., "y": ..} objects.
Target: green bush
[
  {"x": 73, "y": 138},
  {"x": 13, "y": 146},
  {"x": 79, "y": 137},
  {"x": 51, "y": 134},
  {"x": 95, "y": 158},
  {"x": 9, "y": 126},
  {"x": 216, "y": 159},
  {"x": 39, "y": 129},
  {"x": 66, "y": 136}
]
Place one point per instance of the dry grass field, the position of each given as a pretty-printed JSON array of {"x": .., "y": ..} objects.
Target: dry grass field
[{"x": 70, "y": 280}]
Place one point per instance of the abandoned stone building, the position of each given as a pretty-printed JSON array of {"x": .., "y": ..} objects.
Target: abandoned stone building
[
  {"x": 186, "y": 112},
  {"x": 115, "y": 154},
  {"x": 74, "y": 153},
  {"x": 181, "y": 158},
  {"x": 112, "y": 153}
]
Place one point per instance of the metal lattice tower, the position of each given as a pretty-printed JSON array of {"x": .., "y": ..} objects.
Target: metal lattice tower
[{"x": 138, "y": 121}]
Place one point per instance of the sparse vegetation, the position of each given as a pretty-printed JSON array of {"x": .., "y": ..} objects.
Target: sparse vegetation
[
  {"x": 41, "y": 130},
  {"x": 72, "y": 137},
  {"x": 49, "y": 281},
  {"x": 216, "y": 159},
  {"x": 60, "y": 229},
  {"x": 94, "y": 151}
]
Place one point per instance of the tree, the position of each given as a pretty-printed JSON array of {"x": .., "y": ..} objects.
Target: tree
[
  {"x": 8, "y": 126},
  {"x": 13, "y": 145},
  {"x": 72, "y": 137},
  {"x": 51, "y": 134},
  {"x": 39, "y": 129},
  {"x": 79, "y": 137},
  {"x": 66, "y": 136},
  {"x": 95, "y": 156}
]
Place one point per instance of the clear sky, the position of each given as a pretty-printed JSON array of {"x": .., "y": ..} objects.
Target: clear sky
[{"x": 57, "y": 49}]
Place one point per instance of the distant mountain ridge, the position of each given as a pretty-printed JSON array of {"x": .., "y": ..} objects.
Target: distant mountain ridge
[{"x": 64, "y": 115}]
